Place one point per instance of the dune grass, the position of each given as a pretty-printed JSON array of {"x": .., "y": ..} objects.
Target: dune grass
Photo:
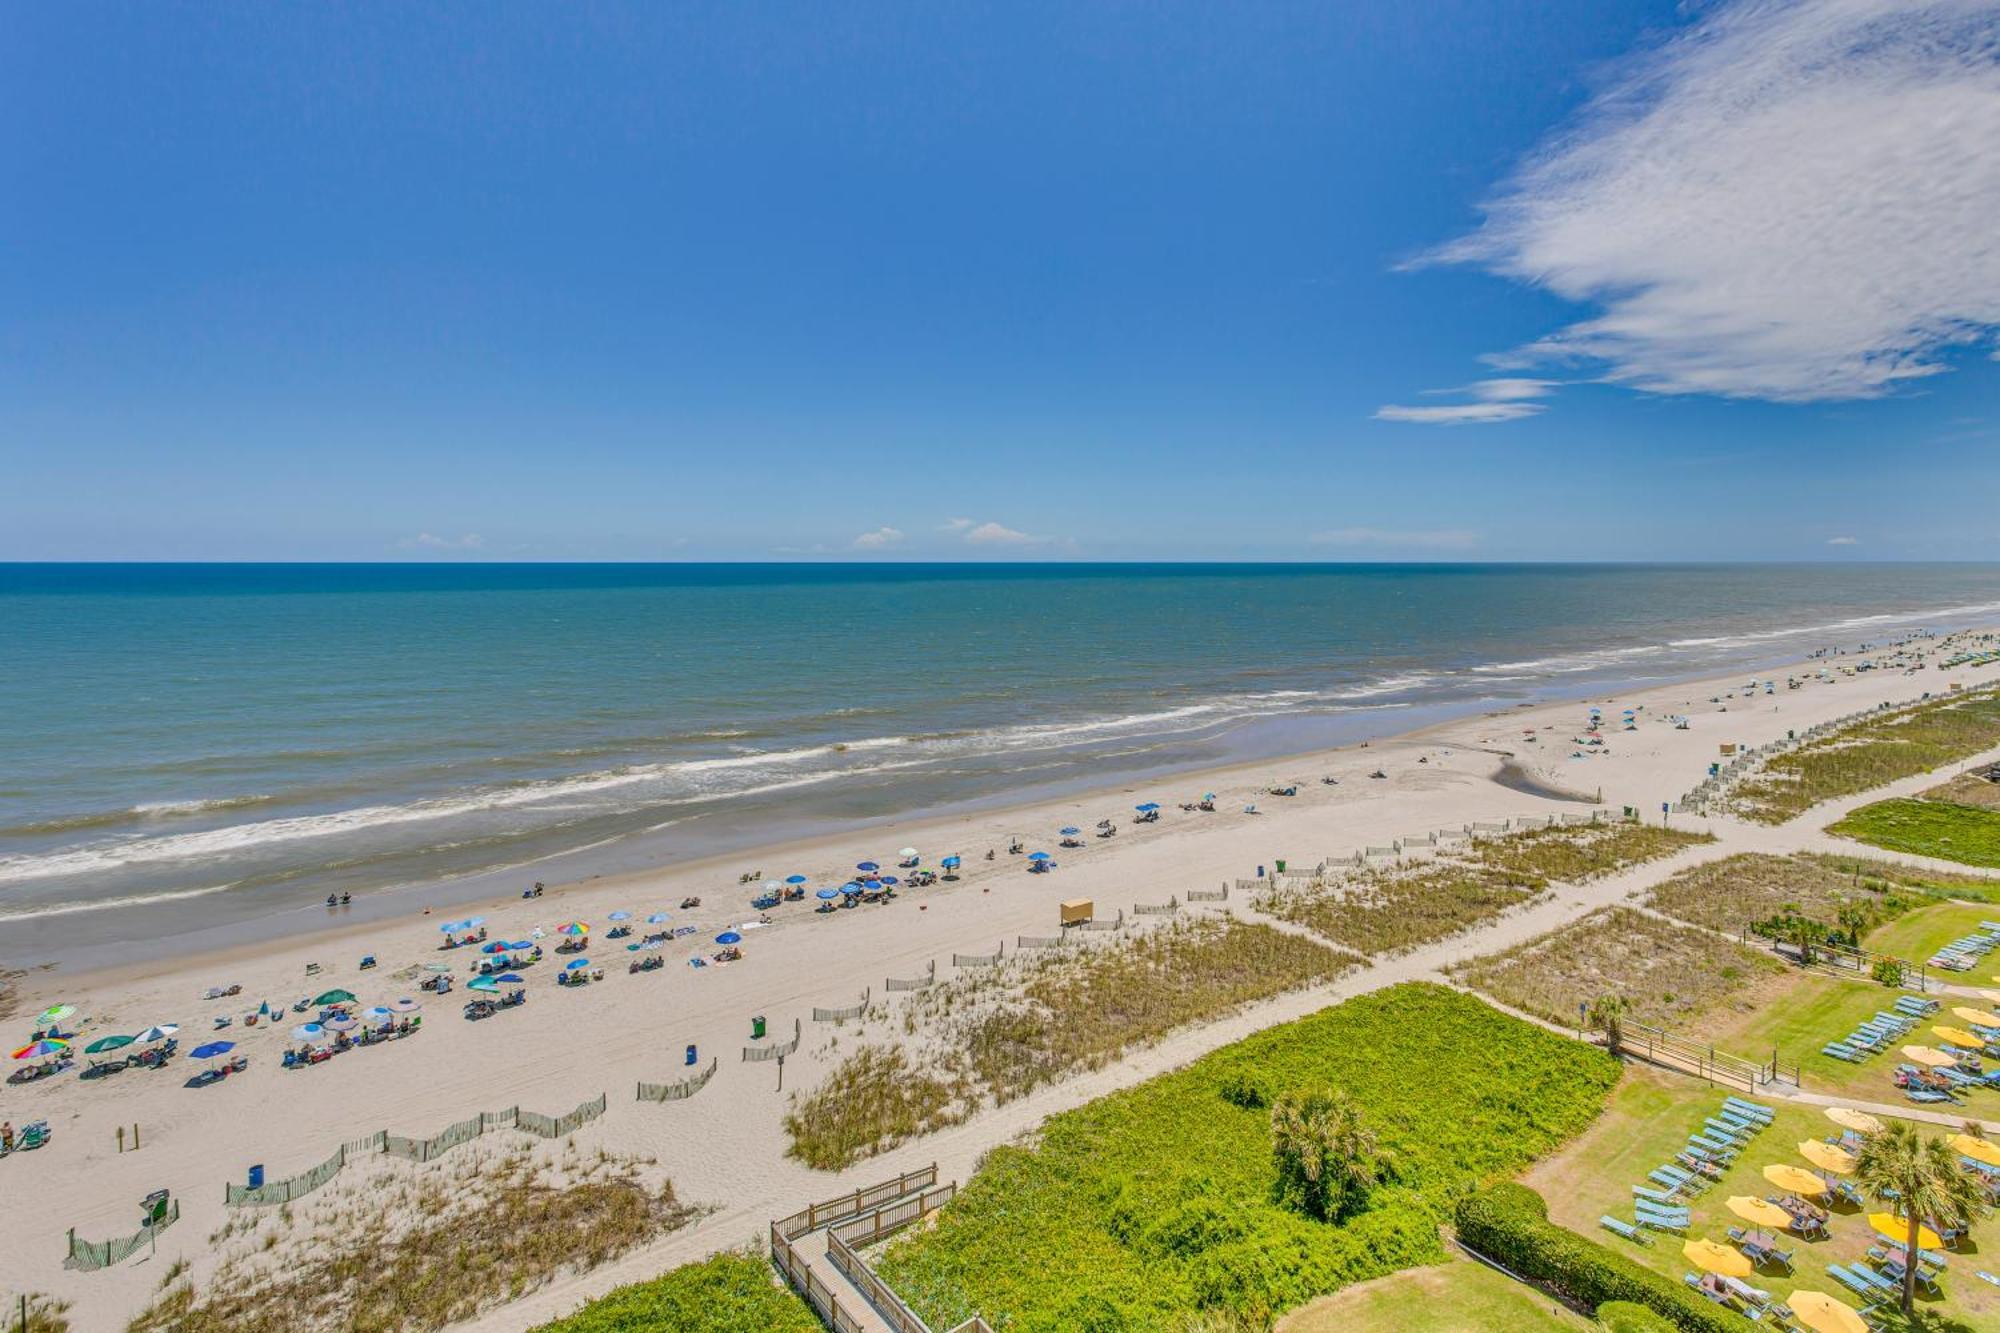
[
  {"x": 44, "y": 1313},
  {"x": 1732, "y": 894},
  {"x": 424, "y": 1251},
  {"x": 1668, "y": 975},
  {"x": 1000, "y": 1034},
  {"x": 1154, "y": 1207},
  {"x": 1389, "y": 910},
  {"x": 726, "y": 1293},
  {"x": 1961, "y": 833},
  {"x": 1881, "y": 748},
  {"x": 1967, "y": 788}
]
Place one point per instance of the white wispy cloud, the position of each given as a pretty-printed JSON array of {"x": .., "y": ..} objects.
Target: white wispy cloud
[
  {"x": 430, "y": 541},
  {"x": 956, "y": 525},
  {"x": 1792, "y": 200},
  {"x": 996, "y": 534},
  {"x": 880, "y": 539},
  {"x": 1843, "y": 541},
  {"x": 1507, "y": 399},
  {"x": 1438, "y": 539}
]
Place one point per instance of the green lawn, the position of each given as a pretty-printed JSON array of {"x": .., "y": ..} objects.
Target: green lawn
[
  {"x": 1799, "y": 1017},
  {"x": 1455, "y": 1297},
  {"x": 1961, "y": 833},
  {"x": 1917, "y": 936},
  {"x": 1650, "y": 1115}
]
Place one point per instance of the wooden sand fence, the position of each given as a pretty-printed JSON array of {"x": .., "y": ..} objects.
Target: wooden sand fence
[
  {"x": 1167, "y": 908},
  {"x": 1220, "y": 895},
  {"x": 842, "y": 1014},
  {"x": 90, "y": 1255},
  {"x": 681, "y": 1091},
  {"x": 980, "y": 959},
  {"x": 778, "y": 1051},
  {"x": 414, "y": 1150},
  {"x": 912, "y": 983},
  {"x": 1116, "y": 923},
  {"x": 1040, "y": 941}
]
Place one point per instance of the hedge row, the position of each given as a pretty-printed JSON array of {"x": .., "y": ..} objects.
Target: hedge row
[{"x": 1510, "y": 1224}]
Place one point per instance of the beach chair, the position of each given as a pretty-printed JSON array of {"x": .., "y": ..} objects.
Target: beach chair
[
  {"x": 1741, "y": 1121},
  {"x": 1865, "y": 1290},
  {"x": 1625, "y": 1229},
  {"x": 1664, "y": 1198},
  {"x": 1661, "y": 1222},
  {"x": 1750, "y": 1109},
  {"x": 1733, "y": 1133},
  {"x": 1840, "y": 1052}
]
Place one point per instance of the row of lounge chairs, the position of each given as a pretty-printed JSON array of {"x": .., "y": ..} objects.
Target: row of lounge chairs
[
  {"x": 1873, "y": 1035},
  {"x": 1661, "y": 1204},
  {"x": 1967, "y": 951}
]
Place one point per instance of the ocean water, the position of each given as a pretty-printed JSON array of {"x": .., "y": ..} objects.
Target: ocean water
[{"x": 189, "y": 745}]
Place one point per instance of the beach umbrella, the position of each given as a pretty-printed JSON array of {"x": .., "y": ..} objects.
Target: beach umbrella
[
  {"x": 510, "y": 979},
  {"x": 55, "y": 1013},
  {"x": 339, "y": 1023},
  {"x": 1713, "y": 1257},
  {"x": 309, "y": 1032},
  {"x": 950, "y": 862},
  {"x": 212, "y": 1050},
  {"x": 575, "y": 963},
  {"x": 729, "y": 937},
  {"x": 482, "y": 983},
  {"x": 572, "y": 929},
  {"x": 159, "y": 1032},
  {"x": 888, "y": 879},
  {"x": 1761, "y": 1211},
  {"x": 625, "y": 916},
  {"x": 1959, "y": 1037},
  {"x": 1070, "y": 831},
  {"x": 34, "y": 1050},
  {"x": 1929, "y": 1055},
  {"x": 867, "y": 865},
  {"x": 1827, "y": 1157},
  {"x": 1898, "y": 1229},
  {"x": 1859, "y": 1121},
  {"x": 1794, "y": 1179},
  {"x": 448, "y": 926},
  {"x": 103, "y": 1044},
  {"x": 1823, "y": 1314},
  {"x": 522, "y": 944},
  {"x": 1147, "y": 808},
  {"x": 379, "y": 1013},
  {"x": 795, "y": 879},
  {"x": 656, "y": 918},
  {"x": 774, "y": 886},
  {"x": 1993, "y": 995},
  {"x": 850, "y": 888},
  {"x": 827, "y": 895},
  {"x": 1979, "y": 1150},
  {"x": 335, "y": 997},
  {"x": 497, "y": 946},
  {"x": 472, "y": 921},
  {"x": 1038, "y": 856},
  {"x": 1983, "y": 1017},
  {"x": 907, "y": 851}
]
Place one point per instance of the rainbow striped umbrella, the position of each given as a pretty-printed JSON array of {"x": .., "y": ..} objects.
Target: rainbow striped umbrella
[
  {"x": 572, "y": 928},
  {"x": 34, "y": 1050}
]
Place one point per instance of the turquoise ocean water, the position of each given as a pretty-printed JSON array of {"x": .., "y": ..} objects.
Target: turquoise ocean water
[{"x": 190, "y": 747}]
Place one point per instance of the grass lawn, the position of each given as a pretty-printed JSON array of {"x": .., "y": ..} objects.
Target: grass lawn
[
  {"x": 1802, "y": 1013},
  {"x": 1917, "y": 936},
  {"x": 1651, "y": 1114},
  {"x": 1455, "y": 1297},
  {"x": 1949, "y": 832}
]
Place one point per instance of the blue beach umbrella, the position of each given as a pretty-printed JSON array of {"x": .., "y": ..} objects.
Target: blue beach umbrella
[
  {"x": 497, "y": 946},
  {"x": 827, "y": 895},
  {"x": 308, "y": 1032},
  {"x": 483, "y": 983},
  {"x": 621, "y": 916},
  {"x": 472, "y": 921},
  {"x": 1070, "y": 831},
  {"x": 213, "y": 1049},
  {"x": 1038, "y": 856},
  {"x": 1148, "y": 806},
  {"x": 448, "y": 926},
  {"x": 868, "y": 865},
  {"x": 656, "y": 918},
  {"x": 510, "y": 978},
  {"x": 729, "y": 937},
  {"x": 522, "y": 944},
  {"x": 795, "y": 879},
  {"x": 378, "y": 1013},
  {"x": 575, "y": 963},
  {"x": 888, "y": 879},
  {"x": 850, "y": 888},
  {"x": 950, "y": 863}
]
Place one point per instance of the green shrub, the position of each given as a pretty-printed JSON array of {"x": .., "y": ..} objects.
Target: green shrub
[
  {"x": 1958, "y": 833},
  {"x": 1889, "y": 971},
  {"x": 1628, "y": 1317},
  {"x": 726, "y": 1293},
  {"x": 1510, "y": 1225},
  {"x": 1153, "y": 1206},
  {"x": 1243, "y": 1091}
]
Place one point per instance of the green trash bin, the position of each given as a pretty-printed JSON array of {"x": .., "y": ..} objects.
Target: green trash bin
[
  {"x": 757, "y": 1028},
  {"x": 1281, "y": 867}
]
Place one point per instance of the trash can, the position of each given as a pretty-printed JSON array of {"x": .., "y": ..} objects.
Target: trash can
[
  {"x": 757, "y": 1028},
  {"x": 1281, "y": 867},
  {"x": 257, "y": 1176},
  {"x": 691, "y": 1057}
]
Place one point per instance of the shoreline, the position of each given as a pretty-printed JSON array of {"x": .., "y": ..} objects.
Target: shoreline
[{"x": 649, "y": 853}]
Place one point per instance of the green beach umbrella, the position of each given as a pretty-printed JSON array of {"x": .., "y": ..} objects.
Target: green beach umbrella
[
  {"x": 55, "y": 1013},
  {"x": 103, "y": 1044},
  {"x": 336, "y": 997}
]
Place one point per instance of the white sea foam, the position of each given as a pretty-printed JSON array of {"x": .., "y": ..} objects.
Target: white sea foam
[{"x": 29, "y": 911}]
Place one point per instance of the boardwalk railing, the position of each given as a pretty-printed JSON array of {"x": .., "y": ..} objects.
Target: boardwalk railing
[
  {"x": 912, "y": 983},
  {"x": 839, "y": 1015},
  {"x": 415, "y": 1150},
  {"x": 1690, "y": 1056},
  {"x": 681, "y": 1091},
  {"x": 778, "y": 1051},
  {"x": 89, "y": 1255}
]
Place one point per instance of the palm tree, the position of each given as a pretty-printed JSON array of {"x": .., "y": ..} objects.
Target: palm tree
[
  {"x": 1608, "y": 1012},
  {"x": 1327, "y": 1159},
  {"x": 1923, "y": 1178}
]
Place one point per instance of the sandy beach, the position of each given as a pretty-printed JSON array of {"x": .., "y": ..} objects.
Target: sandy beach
[{"x": 725, "y": 1147}]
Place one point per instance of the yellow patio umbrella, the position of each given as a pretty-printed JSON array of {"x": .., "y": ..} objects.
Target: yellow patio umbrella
[
  {"x": 1979, "y": 1150},
  {"x": 1993, "y": 995},
  {"x": 1714, "y": 1258},
  {"x": 1827, "y": 1157},
  {"x": 1796, "y": 1179},
  {"x": 1898, "y": 1229},
  {"x": 1929, "y": 1055},
  {"x": 1858, "y": 1121},
  {"x": 1760, "y": 1211},
  {"x": 1960, "y": 1037},
  {"x": 1986, "y": 1018},
  {"x": 1823, "y": 1314}
]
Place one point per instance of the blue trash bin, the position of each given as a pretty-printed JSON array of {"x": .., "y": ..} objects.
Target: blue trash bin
[
  {"x": 691, "y": 1056},
  {"x": 257, "y": 1176}
]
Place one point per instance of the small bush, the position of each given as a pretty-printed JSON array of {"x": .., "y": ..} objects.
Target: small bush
[
  {"x": 871, "y": 1102},
  {"x": 723, "y": 1294},
  {"x": 1244, "y": 1091},
  {"x": 1889, "y": 971},
  {"x": 1510, "y": 1224},
  {"x": 1628, "y": 1317}
]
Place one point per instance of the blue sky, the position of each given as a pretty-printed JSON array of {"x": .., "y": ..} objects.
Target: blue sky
[{"x": 1542, "y": 280}]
